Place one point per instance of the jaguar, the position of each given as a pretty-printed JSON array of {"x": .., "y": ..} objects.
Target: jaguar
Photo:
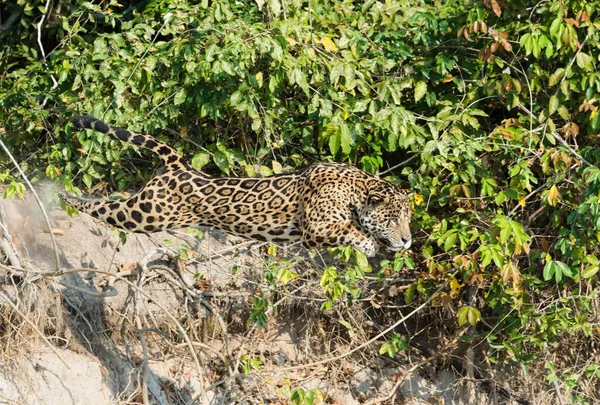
[{"x": 324, "y": 205}]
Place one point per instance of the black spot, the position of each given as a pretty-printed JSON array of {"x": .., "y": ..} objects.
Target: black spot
[
  {"x": 149, "y": 194},
  {"x": 262, "y": 185},
  {"x": 129, "y": 225},
  {"x": 281, "y": 182},
  {"x": 102, "y": 210},
  {"x": 114, "y": 206},
  {"x": 241, "y": 209},
  {"x": 231, "y": 218},
  {"x": 250, "y": 198},
  {"x": 233, "y": 182},
  {"x": 320, "y": 239},
  {"x": 122, "y": 134},
  {"x": 221, "y": 201},
  {"x": 259, "y": 219},
  {"x": 151, "y": 144},
  {"x": 311, "y": 243},
  {"x": 185, "y": 176},
  {"x": 111, "y": 221},
  {"x": 158, "y": 208},
  {"x": 225, "y": 191},
  {"x": 164, "y": 150},
  {"x": 172, "y": 159},
  {"x": 101, "y": 126},
  {"x": 266, "y": 195},
  {"x": 276, "y": 232},
  {"x": 172, "y": 184},
  {"x": 200, "y": 182},
  {"x": 258, "y": 237},
  {"x": 131, "y": 202},
  {"x": 137, "y": 140},
  {"x": 146, "y": 207},
  {"x": 295, "y": 232},
  {"x": 149, "y": 228},
  {"x": 185, "y": 188},
  {"x": 121, "y": 216},
  {"x": 220, "y": 182},
  {"x": 248, "y": 184},
  {"x": 222, "y": 210},
  {"x": 207, "y": 190},
  {"x": 279, "y": 239},
  {"x": 275, "y": 202},
  {"x": 192, "y": 199},
  {"x": 150, "y": 219},
  {"x": 137, "y": 216},
  {"x": 238, "y": 196}
]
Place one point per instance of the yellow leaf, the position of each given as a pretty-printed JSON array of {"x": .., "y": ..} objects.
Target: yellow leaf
[
  {"x": 329, "y": 45},
  {"x": 522, "y": 201},
  {"x": 418, "y": 199},
  {"x": 553, "y": 195},
  {"x": 455, "y": 287},
  {"x": 593, "y": 113},
  {"x": 447, "y": 78}
]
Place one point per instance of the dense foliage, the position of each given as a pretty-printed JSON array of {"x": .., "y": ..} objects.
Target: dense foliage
[{"x": 488, "y": 108}]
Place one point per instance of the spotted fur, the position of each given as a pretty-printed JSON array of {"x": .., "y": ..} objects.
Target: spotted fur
[{"x": 325, "y": 205}]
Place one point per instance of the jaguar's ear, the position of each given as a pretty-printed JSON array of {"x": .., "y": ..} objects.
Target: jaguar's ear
[{"x": 376, "y": 198}]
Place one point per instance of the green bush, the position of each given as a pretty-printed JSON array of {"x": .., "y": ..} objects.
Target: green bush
[{"x": 489, "y": 108}]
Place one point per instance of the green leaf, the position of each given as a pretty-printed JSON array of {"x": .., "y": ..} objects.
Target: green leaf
[
  {"x": 200, "y": 160},
  {"x": 590, "y": 271},
  {"x": 553, "y": 104},
  {"x": 221, "y": 161},
  {"x": 87, "y": 180},
  {"x": 420, "y": 90},
  {"x": 334, "y": 142},
  {"x": 346, "y": 140},
  {"x": 585, "y": 61},
  {"x": 410, "y": 293},
  {"x": 549, "y": 270},
  {"x": 336, "y": 71},
  {"x": 473, "y": 316},
  {"x": 468, "y": 314},
  {"x": 179, "y": 97},
  {"x": 565, "y": 269},
  {"x": 275, "y": 7},
  {"x": 555, "y": 27},
  {"x": 361, "y": 261}
]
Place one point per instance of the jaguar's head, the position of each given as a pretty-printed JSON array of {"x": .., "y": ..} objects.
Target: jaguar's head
[{"x": 386, "y": 214}]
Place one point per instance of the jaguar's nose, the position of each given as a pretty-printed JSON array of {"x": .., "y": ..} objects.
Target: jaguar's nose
[{"x": 396, "y": 247}]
